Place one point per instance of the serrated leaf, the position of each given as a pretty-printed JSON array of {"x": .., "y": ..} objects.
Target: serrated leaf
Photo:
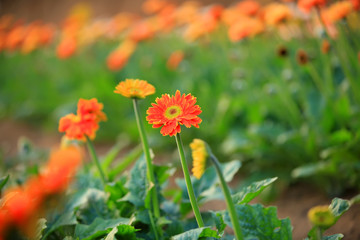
[
  {"x": 219, "y": 222},
  {"x": 137, "y": 184},
  {"x": 98, "y": 228},
  {"x": 95, "y": 206},
  {"x": 339, "y": 206},
  {"x": 197, "y": 233},
  {"x": 261, "y": 223},
  {"x": 250, "y": 192}
]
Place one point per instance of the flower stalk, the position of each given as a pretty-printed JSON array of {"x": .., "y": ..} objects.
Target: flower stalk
[
  {"x": 150, "y": 167},
  {"x": 95, "y": 159},
  {"x": 189, "y": 187},
  {"x": 230, "y": 205}
]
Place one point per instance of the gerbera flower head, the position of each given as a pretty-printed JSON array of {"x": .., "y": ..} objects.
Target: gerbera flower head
[
  {"x": 321, "y": 216},
  {"x": 199, "y": 155},
  {"x": 170, "y": 112},
  {"x": 91, "y": 109},
  {"x": 85, "y": 123},
  {"x": 134, "y": 88}
]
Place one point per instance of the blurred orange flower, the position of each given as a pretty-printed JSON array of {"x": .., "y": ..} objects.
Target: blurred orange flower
[
  {"x": 170, "y": 113},
  {"x": 336, "y": 11},
  {"x": 21, "y": 207},
  {"x": 276, "y": 13},
  {"x": 31, "y": 39},
  {"x": 15, "y": 37},
  {"x": 216, "y": 11},
  {"x": 202, "y": 25},
  {"x": 307, "y": 5},
  {"x": 153, "y": 6},
  {"x": 248, "y": 27},
  {"x": 248, "y": 7},
  {"x": 60, "y": 169},
  {"x": 66, "y": 48},
  {"x": 175, "y": 59},
  {"x": 120, "y": 56},
  {"x": 46, "y": 34},
  {"x": 134, "y": 88},
  {"x": 85, "y": 123},
  {"x": 187, "y": 12},
  {"x": 141, "y": 31}
]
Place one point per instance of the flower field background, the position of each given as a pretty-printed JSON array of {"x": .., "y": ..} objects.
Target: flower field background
[{"x": 277, "y": 83}]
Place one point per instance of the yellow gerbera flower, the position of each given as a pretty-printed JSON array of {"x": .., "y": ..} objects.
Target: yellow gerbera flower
[
  {"x": 199, "y": 155},
  {"x": 135, "y": 88}
]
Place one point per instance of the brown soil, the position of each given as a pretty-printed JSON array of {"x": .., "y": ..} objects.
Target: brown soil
[{"x": 294, "y": 202}]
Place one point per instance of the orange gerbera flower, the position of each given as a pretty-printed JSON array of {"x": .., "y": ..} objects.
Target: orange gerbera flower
[
  {"x": 135, "y": 88},
  {"x": 91, "y": 110},
  {"x": 85, "y": 123},
  {"x": 170, "y": 113}
]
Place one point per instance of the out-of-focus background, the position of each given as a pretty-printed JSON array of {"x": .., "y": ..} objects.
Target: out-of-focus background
[{"x": 277, "y": 83}]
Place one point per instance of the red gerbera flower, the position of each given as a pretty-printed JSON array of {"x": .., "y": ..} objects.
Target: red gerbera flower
[{"x": 171, "y": 112}]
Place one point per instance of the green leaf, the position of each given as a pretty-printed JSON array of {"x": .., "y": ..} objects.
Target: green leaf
[
  {"x": 251, "y": 191},
  {"x": 310, "y": 169},
  {"x": 333, "y": 237},
  {"x": 94, "y": 207},
  {"x": 99, "y": 227},
  {"x": 339, "y": 206},
  {"x": 197, "y": 233},
  {"x": 259, "y": 222},
  {"x": 219, "y": 223},
  {"x": 66, "y": 216},
  {"x": 3, "y": 181},
  {"x": 137, "y": 184}
]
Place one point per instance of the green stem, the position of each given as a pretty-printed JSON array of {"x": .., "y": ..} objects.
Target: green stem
[
  {"x": 230, "y": 205},
  {"x": 150, "y": 168},
  {"x": 190, "y": 189},
  {"x": 152, "y": 223},
  {"x": 95, "y": 159}
]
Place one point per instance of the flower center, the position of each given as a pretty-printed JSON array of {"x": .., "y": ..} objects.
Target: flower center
[
  {"x": 173, "y": 112},
  {"x": 135, "y": 92}
]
